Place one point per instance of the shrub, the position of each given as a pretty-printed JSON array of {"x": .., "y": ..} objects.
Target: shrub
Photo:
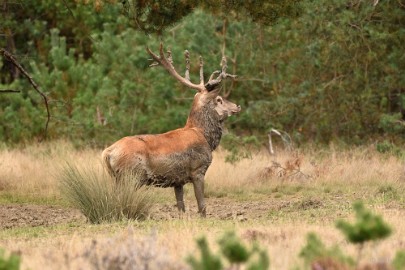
[
  {"x": 390, "y": 148},
  {"x": 368, "y": 226},
  {"x": 208, "y": 260},
  {"x": 399, "y": 261},
  {"x": 234, "y": 251},
  {"x": 100, "y": 199},
  {"x": 239, "y": 147},
  {"x": 10, "y": 263},
  {"x": 316, "y": 251}
]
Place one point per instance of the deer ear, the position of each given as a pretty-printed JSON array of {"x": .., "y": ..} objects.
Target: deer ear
[
  {"x": 219, "y": 100},
  {"x": 213, "y": 93}
]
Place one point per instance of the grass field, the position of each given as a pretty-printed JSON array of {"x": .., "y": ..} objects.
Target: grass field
[{"x": 275, "y": 200}]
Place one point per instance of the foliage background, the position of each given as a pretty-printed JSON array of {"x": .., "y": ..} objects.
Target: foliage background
[{"x": 323, "y": 71}]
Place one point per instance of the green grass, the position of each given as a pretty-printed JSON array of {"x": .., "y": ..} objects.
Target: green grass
[{"x": 7, "y": 197}]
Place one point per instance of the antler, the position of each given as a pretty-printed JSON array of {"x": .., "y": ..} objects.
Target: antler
[
  {"x": 167, "y": 64},
  {"x": 213, "y": 83}
]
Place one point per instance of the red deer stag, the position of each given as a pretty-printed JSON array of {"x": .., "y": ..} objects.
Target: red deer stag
[{"x": 180, "y": 156}]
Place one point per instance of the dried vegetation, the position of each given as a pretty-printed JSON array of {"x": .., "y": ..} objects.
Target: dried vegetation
[{"x": 275, "y": 200}]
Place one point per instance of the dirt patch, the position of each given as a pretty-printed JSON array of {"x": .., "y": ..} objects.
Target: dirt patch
[
  {"x": 27, "y": 215},
  {"x": 220, "y": 208}
]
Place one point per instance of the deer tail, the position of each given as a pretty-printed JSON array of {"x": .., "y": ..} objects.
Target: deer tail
[{"x": 106, "y": 162}]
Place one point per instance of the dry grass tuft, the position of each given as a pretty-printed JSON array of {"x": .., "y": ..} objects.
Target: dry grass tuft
[{"x": 100, "y": 198}]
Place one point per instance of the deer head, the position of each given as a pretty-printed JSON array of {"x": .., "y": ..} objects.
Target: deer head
[{"x": 207, "y": 92}]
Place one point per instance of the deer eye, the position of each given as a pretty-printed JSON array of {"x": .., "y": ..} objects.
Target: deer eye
[{"x": 219, "y": 100}]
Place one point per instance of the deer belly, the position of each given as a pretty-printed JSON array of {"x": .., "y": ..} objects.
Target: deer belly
[
  {"x": 174, "y": 169},
  {"x": 164, "y": 172}
]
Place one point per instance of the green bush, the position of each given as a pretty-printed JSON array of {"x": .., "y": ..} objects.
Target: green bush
[
  {"x": 235, "y": 253},
  {"x": 399, "y": 261},
  {"x": 315, "y": 249},
  {"x": 101, "y": 199},
  {"x": 387, "y": 147},
  {"x": 333, "y": 73},
  {"x": 208, "y": 261},
  {"x": 10, "y": 263},
  {"x": 239, "y": 147},
  {"x": 368, "y": 226}
]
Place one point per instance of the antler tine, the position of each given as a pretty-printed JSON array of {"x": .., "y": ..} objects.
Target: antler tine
[
  {"x": 169, "y": 56},
  {"x": 213, "y": 83},
  {"x": 224, "y": 64},
  {"x": 187, "y": 56},
  {"x": 167, "y": 64},
  {"x": 201, "y": 71},
  {"x": 216, "y": 72},
  {"x": 162, "y": 55}
]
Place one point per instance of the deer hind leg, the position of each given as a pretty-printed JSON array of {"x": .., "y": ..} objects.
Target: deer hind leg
[
  {"x": 199, "y": 194},
  {"x": 178, "y": 191}
]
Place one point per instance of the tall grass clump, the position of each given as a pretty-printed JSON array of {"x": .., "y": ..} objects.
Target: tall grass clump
[{"x": 100, "y": 198}]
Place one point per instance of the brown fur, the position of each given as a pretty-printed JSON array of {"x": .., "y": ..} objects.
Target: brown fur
[{"x": 177, "y": 157}]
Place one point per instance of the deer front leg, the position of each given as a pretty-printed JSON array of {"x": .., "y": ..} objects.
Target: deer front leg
[
  {"x": 199, "y": 194},
  {"x": 178, "y": 191}
]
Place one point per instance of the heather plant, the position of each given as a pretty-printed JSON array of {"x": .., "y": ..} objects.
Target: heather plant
[{"x": 124, "y": 251}]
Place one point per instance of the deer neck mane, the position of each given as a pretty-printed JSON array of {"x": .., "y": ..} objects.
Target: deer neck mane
[{"x": 207, "y": 119}]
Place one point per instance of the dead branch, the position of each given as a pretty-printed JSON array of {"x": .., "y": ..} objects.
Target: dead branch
[
  {"x": 11, "y": 58},
  {"x": 288, "y": 144},
  {"x": 290, "y": 171}
]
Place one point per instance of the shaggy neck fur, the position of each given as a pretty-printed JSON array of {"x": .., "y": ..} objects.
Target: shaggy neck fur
[{"x": 207, "y": 119}]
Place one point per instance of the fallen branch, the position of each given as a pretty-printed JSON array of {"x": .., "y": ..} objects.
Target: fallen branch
[
  {"x": 289, "y": 173},
  {"x": 11, "y": 58}
]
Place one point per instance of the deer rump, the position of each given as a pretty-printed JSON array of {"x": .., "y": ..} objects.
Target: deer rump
[{"x": 163, "y": 160}]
